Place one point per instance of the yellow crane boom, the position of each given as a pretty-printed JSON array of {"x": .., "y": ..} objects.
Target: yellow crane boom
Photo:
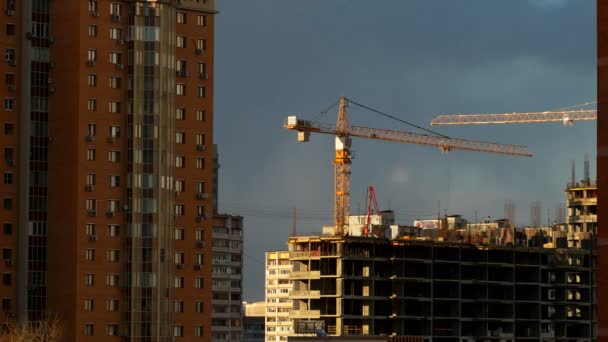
[
  {"x": 342, "y": 162},
  {"x": 567, "y": 117}
]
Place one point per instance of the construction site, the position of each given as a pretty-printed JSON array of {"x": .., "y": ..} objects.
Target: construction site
[{"x": 444, "y": 279}]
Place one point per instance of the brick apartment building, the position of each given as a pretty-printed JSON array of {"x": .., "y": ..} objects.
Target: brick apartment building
[{"x": 107, "y": 115}]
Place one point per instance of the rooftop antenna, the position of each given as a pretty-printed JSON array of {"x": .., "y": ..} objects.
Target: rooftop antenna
[
  {"x": 294, "y": 229},
  {"x": 587, "y": 179},
  {"x": 572, "y": 173}
]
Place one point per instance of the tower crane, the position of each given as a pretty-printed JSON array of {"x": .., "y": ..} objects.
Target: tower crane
[
  {"x": 565, "y": 116},
  {"x": 343, "y": 132}
]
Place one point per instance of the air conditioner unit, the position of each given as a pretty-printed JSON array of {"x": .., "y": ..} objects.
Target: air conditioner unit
[
  {"x": 199, "y": 51},
  {"x": 92, "y": 213},
  {"x": 90, "y": 137},
  {"x": 121, "y": 42},
  {"x": 197, "y": 267},
  {"x": 110, "y": 213},
  {"x": 180, "y": 266},
  {"x": 115, "y": 17},
  {"x": 203, "y": 76},
  {"x": 111, "y": 140},
  {"x": 52, "y": 65},
  {"x": 91, "y": 62},
  {"x": 10, "y": 162},
  {"x": 93, "y": 237},
  {"x": 200, "y": 244},
  {"x": 94, "y": 14},
  {"x": 12, "y": 87},
  {"x": 89, "y": 187},
  {"x": 51, "y": 89},
  {"x": 10, "y": 13},
  {"x": 49, "y": 80},
  {"x": 202, "y": 195},
  {"x": 199, "y": 219},
  {"x": 200, "y": 147}
]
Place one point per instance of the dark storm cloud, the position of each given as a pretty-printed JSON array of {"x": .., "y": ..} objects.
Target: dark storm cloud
[{"x": 412, "y": 58}]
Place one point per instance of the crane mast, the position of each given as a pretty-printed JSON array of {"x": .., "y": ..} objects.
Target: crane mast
[{"x": 342, "y": 162}]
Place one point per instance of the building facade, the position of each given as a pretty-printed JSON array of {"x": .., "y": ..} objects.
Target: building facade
[
  {"x": 253, "y": 322},
  {"x": 278, "y": 290},
  {"x": 108, "y": 114},
  {"x": 581, "y": 202},
  {"x": 227, "y": 277}
]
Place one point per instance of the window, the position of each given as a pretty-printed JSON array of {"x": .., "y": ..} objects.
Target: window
[
  {"x": 91, "y": 204},
  {"x": 89, "y": 254},
  {"x": 88, "y": 329},
  {"x": 181, "y": 41},
  {"x": 179, "y": 258},
  {"x": 178, "y": 306},
  {"x": 201, "y": 20},
  {"x": 200, "y": 115},
  {"x": 9, "y": 104},
  {"x": 8, "y": 203},
  {"x": 201, "y": 44},
  {"x": 198, "y": 331},
  {"x": 9, "y": 56},
  {"x": 180, "y": 67},
  {"x": 180, "y": 17},
  {"x": 9, "y": 129},
  {"x": 180, "y": 89},
  {"x": 89, "y": 279},
  {"x": 113, "y": 206},
  {"x": 88, "y": 304},
  {"x": 7, "y": 279},
  {"x": 200, "y": 259},
  {"x": 91, "y": 154},
  {"x": 92, "y": 30},
  {"x": 180, "y": 161},
  {"x": 8, "y": 229},
  {"x": 200, "y": 235},
  {"x": 114, "y": 156},
  {"x": 113, "y": 255},
  {"x": 114, "y": 107},
  {"x": 8, "y": 153},
  {"x": 112, "y": 329},
  {"x": 114, "y": 82},
  {"x": 202, "y": 69},
  {"x": 179, "y": 185},
  {"x": 112, "y": 304},
  {"x": 8, "y": 178},
  {"x": 91, "y": 179},
  {"x": 115, "y": 131},
  {"x": 114, "y": 181},
  {"x": 91, "y": 105},
  {"x": 179, "y": 210},
  {"x": 178, "y": 330},
  {"x": 180, "y": 114},
  {"x": 7, "y": 253},
  {"x": 200, "y": 187},
  {"x": 112, "y": 280},
  {"x": 6, "y": 304},
  {"x": 179, "y": 282},
  {"x": 115, "y": 33},
  {"x": 9, "y": 78},
  {"x": 92, "y": 55},
  {"x": 200, "y": 139},
  {"x": 199, "y": 283},
  {"x": 92, "y": 80},
  {"x": 180, "y": 137},
  {"x": 115, "y": 57},
  {"x": 115, "y": 8},
  {"x": 200, "y": 210},
  {"x": 179, "y": 233},
  {"x": 91, "y": 129},
  {"x": 93, "y": 6},
  {"x": 10, "y": 29},
  {"x": 198, "y": 307},
  {"x": 113, "y": 230},
  {"x": 89, "y": 229},
  {"x": 200, "y": 163},
  {"x": 201, "y": 91}
]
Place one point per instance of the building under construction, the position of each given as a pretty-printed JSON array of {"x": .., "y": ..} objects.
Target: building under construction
[{"x": 442, "y": 291}]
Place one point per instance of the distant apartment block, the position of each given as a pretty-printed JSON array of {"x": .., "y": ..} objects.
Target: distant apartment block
[
  {"x": 278, "y": 289},
  {"x": 253, "y": 322}
]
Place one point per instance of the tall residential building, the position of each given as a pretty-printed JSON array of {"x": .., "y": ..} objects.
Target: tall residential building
[
  {"x": 278, "y": 288},
  {"x": 107, "y": 110},
  {"x": 582, "y": 212},
  {"x": 227, "y": 277},
  {"x": 602, "y": 167}
]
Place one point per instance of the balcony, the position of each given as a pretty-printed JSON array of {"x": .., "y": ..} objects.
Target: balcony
[
  {"x": 305, "y": 255},
  {"x": 299, "y": 294},
  {"x": 295, "y": 314},
  {"x": 305, "y": 275}
]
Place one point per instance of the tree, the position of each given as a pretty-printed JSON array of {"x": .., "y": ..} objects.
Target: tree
[{"x": 48, "y": 330}]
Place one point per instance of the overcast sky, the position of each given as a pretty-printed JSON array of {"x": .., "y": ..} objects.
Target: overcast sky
[{"x": 414, "y": 59}]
